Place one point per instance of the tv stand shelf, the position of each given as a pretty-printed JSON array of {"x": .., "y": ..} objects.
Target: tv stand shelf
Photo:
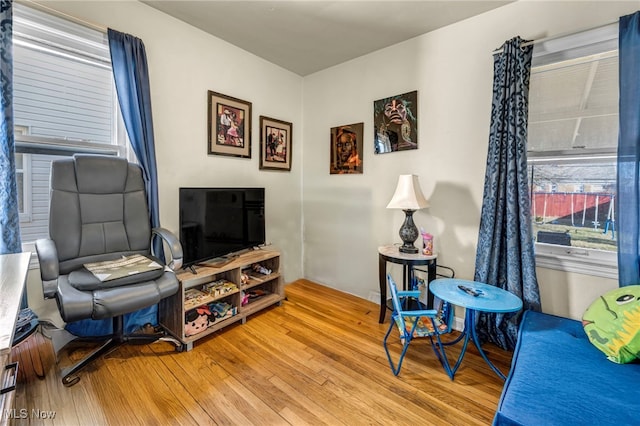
[{"x": 249, "y": 296}]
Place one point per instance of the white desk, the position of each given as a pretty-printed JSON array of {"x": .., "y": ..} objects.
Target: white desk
[{"x": 13, "y": 276}]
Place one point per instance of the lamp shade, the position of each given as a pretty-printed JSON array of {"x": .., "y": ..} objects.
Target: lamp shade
[{"x": 408, "y": 195}]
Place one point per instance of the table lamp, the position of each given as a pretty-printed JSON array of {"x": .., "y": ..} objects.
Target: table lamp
[{"x": 409, "y": 198}]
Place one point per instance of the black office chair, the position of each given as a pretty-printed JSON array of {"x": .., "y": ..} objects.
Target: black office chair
[{"x": 99, "y": 212}]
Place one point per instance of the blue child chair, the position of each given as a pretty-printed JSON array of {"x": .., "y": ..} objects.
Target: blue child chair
[{"x": 411, "y": 324}]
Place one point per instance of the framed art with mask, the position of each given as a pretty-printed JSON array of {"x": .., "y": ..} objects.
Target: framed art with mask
[{"x": 395, "y": 122}]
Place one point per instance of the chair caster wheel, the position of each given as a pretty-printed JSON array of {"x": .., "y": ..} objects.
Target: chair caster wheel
[{"x": 70, "y": 381}]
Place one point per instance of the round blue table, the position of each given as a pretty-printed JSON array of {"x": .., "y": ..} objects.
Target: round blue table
[{"x": 474, "y": 297}]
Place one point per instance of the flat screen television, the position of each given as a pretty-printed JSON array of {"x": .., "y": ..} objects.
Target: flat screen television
[{"x": 216, "y": 222}]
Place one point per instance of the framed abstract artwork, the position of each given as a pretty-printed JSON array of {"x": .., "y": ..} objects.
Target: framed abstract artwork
[
  {"x": 275, "y": 144},
  {"x": 346, "y": 149},
  {"x": 395, "y": 122},
  {"x": 229, "y": 126}
]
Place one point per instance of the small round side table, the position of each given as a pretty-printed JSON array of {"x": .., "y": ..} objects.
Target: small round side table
[{"x": 390, "y": 253}]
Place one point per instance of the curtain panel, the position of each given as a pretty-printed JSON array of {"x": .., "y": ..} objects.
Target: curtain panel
[
  {"x": 131, "y": 74},
  {"x": 9, "y": 215},
  {"x": 628, "y": 181},
  {"x": 505, "y": 255}
]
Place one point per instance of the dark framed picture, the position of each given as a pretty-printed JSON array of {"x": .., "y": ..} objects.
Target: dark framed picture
[
  {"x": 346, "y": 149},
  {"x": 395, "y": 122},
  {"x": 275, "y": 144},
  {"x": 229, "y": 126}
]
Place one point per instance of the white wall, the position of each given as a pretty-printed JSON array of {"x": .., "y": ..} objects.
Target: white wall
[
  {"x": 345, "y": 218},
  {"x": 184, "y": 63}
]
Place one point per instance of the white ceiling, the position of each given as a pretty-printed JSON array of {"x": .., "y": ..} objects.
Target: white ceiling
[{"x": 306, "y": 36}]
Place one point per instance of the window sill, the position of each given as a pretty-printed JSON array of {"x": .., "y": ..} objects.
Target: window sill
[{"x": 578, "y": 260}]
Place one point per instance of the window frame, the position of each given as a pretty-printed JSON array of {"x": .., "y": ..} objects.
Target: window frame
[
  {"x": 27, "y": 144},
  {"x": 579, "y": 260},
  {"x": 25, "y": 171}
]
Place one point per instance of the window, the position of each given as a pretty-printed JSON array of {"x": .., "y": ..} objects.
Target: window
[
  {"x": 23, "y": 179},
  {"x": 572, "y": 147},
  {"x": 64, "y": 103}
]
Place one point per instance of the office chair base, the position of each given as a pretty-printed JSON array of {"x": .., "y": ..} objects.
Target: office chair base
[{"x": 70, "y": 375}]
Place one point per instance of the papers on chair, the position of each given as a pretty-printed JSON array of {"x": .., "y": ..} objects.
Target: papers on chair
[{"x": 119, "y": 268}]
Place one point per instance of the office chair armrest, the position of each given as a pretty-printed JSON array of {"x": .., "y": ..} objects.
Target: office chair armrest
[
  {"x": 174, "y": 246},
  {"x": 49, "y": 267}
]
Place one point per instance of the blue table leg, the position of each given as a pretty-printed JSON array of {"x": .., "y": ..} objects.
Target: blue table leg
[
  {"x": 451, "y": 371},
  {"x": 469, "y": 332},
  {"x": 471, "y": 314}
]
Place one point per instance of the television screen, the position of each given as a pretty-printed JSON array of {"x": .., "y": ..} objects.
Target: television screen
[{"x": 215, "y": 222}]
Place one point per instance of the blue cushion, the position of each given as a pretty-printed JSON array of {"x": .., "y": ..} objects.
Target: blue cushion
[{"x": 559, "y": 378}]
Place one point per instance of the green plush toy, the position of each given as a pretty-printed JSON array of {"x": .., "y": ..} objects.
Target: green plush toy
[{"x": 612, "y": 323}]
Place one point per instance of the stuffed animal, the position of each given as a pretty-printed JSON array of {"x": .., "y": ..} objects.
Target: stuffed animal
[
  {"x": 612, "y": 323},
  {"x": 196, "y": 320}
]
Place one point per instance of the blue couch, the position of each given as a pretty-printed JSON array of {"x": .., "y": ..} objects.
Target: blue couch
[{"x": 559, "y": 378}]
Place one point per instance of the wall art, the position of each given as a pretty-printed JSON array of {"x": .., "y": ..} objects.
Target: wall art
[
  {"x": 396, "y": 123},
  {"x": 275, "y": 144},
  {"x": 346, "y": 149},
  {"x": 229, "y": 126}
]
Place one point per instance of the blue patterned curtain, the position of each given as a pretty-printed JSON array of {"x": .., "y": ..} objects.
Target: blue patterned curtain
[
  {"x": 505, "y": 254},
  {"x": 629, "y": 152},
  {"x": 10, "y": 241},
  {"x": 9, "y": 215}
]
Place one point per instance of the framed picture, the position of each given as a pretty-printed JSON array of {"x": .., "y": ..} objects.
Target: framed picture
[
  {"x": 275, "y": 144},
  {"x": 346, "y": 149},
  {"x": 229, "y": 126},
  {"x": 395, "y": 122}
]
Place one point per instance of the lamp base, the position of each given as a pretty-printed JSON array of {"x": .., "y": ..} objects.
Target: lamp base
[
  {"x": 408, "y": 233},
  {"x": 408, "y": 249}
]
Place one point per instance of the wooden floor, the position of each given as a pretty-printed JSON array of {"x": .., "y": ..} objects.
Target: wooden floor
[{"x": 317, "y": 359}]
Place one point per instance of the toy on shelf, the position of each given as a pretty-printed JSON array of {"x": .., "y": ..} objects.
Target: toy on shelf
[
  {"x": 219, "y": 287},
  {"x": 196, "y": 320},
  {"x": 256, "y": 293},
  {"x": 260, "y": 269},
  {"x": 221, "y": 310},
  {"x": 194, "y": 298}
]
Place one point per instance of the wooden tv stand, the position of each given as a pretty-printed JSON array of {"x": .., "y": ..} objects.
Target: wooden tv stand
[{"x": 268, "y": 290}]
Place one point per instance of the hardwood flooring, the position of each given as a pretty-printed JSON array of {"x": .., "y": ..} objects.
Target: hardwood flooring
[{"x": 317, "y": 359}]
